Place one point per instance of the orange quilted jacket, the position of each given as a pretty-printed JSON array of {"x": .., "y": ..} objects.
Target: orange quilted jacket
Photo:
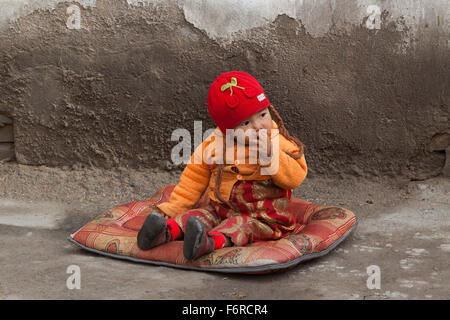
[{"x": 199, "y": 174}]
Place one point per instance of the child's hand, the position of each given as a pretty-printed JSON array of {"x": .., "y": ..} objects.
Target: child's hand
[
  {"x": 265, "y": 144},
  {"x": 260, "y": 148}
]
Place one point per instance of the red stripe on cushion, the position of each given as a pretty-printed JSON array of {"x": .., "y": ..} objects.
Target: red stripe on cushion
[
  {"x": 318, "y": 230},
  {"x": 135, "y": 223}
]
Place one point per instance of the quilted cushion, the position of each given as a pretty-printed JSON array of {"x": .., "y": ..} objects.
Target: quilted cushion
[{"x": 319, "y": 229}]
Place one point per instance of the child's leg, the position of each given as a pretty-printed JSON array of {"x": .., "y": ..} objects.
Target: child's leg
[
  {"x": 206, "y": 215},
  {"x": 235, "y": 230},
  {"x": 198, "y": 241},
  {"x": 244, "y": 229},
  {"x": 156, "y": 230}
]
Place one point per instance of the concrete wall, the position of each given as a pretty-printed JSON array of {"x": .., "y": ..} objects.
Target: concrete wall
[{"x": 364, "y": 84}]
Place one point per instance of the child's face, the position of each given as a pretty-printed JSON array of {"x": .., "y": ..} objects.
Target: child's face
[{"x": 258, "y": 121}]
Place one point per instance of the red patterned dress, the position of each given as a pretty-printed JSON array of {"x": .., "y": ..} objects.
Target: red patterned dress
[{"x": 264, "y": 213}]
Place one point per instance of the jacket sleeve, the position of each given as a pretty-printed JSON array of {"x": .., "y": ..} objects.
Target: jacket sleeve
[
  {"x": 193, "y": 182},
  {"x": 289, "y": 173}
]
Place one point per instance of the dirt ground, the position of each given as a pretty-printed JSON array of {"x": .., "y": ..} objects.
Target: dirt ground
[{"x": 404, "y": 229}]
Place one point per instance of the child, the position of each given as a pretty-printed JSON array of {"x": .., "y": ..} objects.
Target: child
[{"x": 245, "y": 204}]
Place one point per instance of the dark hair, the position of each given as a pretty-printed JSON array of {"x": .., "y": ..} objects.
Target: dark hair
[{"x": 282, "y": 129}]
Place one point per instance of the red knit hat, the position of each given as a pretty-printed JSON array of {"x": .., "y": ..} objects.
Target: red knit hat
[{"x": 233, "y": 98}]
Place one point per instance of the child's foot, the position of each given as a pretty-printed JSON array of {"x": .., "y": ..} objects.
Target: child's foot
[
  {"x": 197, "y": 242},
  {"x": 153, "y": 232}
]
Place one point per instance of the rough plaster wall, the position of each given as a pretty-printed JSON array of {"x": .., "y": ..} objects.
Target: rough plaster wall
[{"x": 365, "y": 96}]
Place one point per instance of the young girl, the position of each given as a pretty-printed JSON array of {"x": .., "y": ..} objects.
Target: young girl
[{"x": 245, "y": 203}]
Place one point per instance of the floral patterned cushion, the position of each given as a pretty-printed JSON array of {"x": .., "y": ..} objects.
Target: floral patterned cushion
[{"x": 319, "y": 229}]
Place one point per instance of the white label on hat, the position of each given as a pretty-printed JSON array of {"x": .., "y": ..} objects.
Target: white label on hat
[{"x": 261, "y": 97}]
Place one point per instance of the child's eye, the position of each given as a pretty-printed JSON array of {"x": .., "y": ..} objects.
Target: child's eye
[
  {"x": 262, "y": 115},
  {"x": 245, "y": 123}
]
